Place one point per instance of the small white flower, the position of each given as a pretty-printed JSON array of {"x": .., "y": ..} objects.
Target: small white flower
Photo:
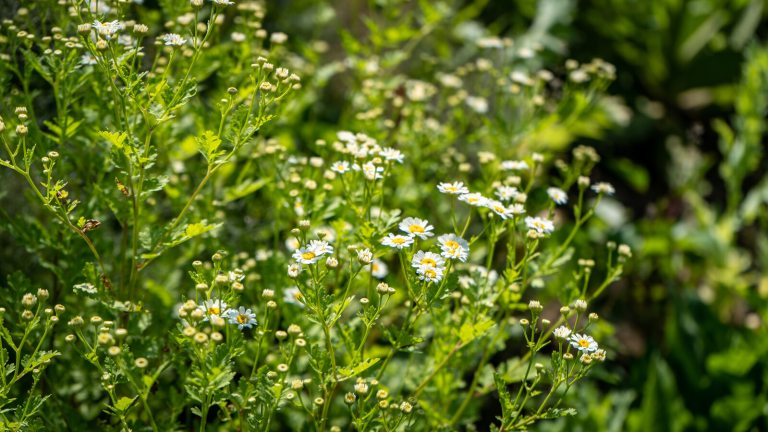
[
  {"x": 455, "y": 188},
  {"x": 540, "y": 225},
  {"x": 293, "y": 296},
  {"x": 294, "y": 270},
  {"x": 213, "y": 309},
  {"x": 603, "y": 188},
  {"x": 372, "y": 172},
  {"x": 557, "y": 195},
  {"x": 391, "y": 154},
  {"x": 321, "y": 247},
  {"x": 517, "y": 209},
  {"x": 365, "y": 256},
  {"x": 506, "y": 193},
  {"x": 499, "y": 208},
  {"x": 107, "y": 29},
  {"x": 430, "y": 259},
  {"x": 477, "y": 104},
  {"x": 429, "y": 273},
  {"x": 474, "y": 199},
  {"x": 562, "y": 332},
  {"x": 583, "y": 343},
  {"x": 242, "y": 317},
  {"x": 378, "y": 269},
  {"x": 397, "y": 241},
  {"x": 340, "y": 167},
  {"x": 173, "y": 39},
  {"x": 416, "y": 227},
  {"x": 513, "y": 165},
  {"x": 453, "y": 247},
  {"x": 306, "y": 255},
  {"x": 87, "y": 59},
  {"x": 223, "y": 2}
]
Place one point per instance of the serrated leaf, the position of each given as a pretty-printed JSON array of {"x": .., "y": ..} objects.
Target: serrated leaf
[
  {"x": 469, "y": 331},
  {"x": 349, "y": 372}
]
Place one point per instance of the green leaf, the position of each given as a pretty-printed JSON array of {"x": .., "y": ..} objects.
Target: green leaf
[
  {"x": 115, "y": 138},
  {"x": 349, "y": 372},
  {"x": 469, "y": 331},
  {"x": 124, "y": 403},
  {"x": 208, "y": 145}
]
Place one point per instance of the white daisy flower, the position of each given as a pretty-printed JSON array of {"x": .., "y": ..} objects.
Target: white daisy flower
[
  {"x": 541, "y": 225},
  {"x": 455, "y": 188},
  {"x": 417, "y": 227},
  {"x": 391, "y": 154},
  {"x": 513, "y": 165},
  {"x": 242, "y": 317},
  {"x": 306, "y": 255},
  {"x": 372, "y": 172},
  {"x": 87, "y": 59},
  {"x": 397, "y": 241},
  {"x": 562, "y": 332},
  {"x": 557, "y": 195},
  {"x": 236, "y": 276},
  {"x": 583, "y": 343},
  {"x": 340, "y": 167},
  {"x": 173, "y": 39},
  {"x": 453, "y": 247},
  {"x": 506, "y": 193},
  {"x": 499, "y": 208},
  {"x": 321, "y": 247},
  {"x": 430, "y": 259},
  {"x": 517, "y": 209},
  {"x": 429, "y": 273},
  {"x": 378, "y": 269},
  {"x": 107, "y": 29},
  {"x": 603, "y": 188},
  {"x": 474, "y": 199},
  {"x": 213, "y": 308},
  {"x": 293, "y": 296}
]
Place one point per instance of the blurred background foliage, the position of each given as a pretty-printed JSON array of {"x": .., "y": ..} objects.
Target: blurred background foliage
[{"x": 681, "y": 137}]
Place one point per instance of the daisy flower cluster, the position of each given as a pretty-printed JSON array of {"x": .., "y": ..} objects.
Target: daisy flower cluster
[
  {"x": 430, "y": 266},
  {"x": 368, "y": 157},
  {"x": 217, "y": 312},
  {"x": 312, "y": 252},
  {"x": 498, "y": 207}
]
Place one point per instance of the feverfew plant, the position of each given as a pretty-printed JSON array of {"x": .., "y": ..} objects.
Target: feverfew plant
[{"x": 424, "y": 255}]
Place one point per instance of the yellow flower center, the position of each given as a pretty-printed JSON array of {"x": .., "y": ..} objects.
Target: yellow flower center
[
  {"x": 450, "y": 244},
  {"x": 416, "y": 228},
  {"x": 430, "y": 273},
  {"x": 242, "y": 319},
  {"x": 308, "y": 255},
  {"x": 429, "y": 261},
  {"x": 375, "y": 267},
  {"x": 398, "y": 240},
  {"x": 213, "y": 310},
  {"x": 583, "y": 343}
]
